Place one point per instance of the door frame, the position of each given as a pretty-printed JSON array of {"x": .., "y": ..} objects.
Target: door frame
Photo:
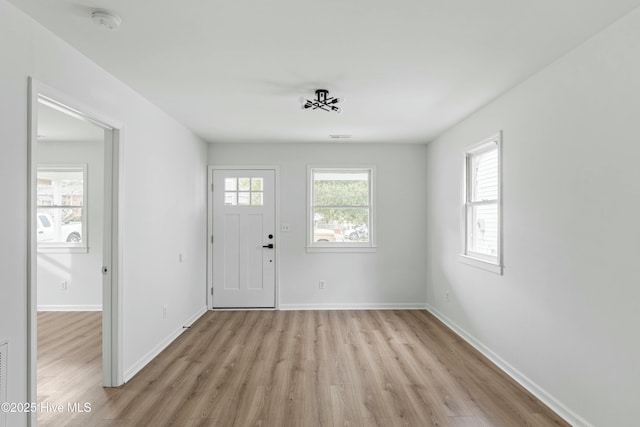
[
  {"x": 111, "y": 300},
  {"x": 276, "y": 187}
]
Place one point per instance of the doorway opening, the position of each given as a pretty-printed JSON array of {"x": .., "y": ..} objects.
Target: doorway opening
[{"x": 73, "y": 251}]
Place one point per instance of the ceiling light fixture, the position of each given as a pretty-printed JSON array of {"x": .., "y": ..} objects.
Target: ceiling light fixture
[
  {"x": 106, "y": 19},
  {"x": 322, "y": 102}
]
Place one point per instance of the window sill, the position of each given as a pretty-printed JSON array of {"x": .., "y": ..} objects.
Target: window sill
[
  {"x": 340, "y": 249},
  {"x": 480, "y": 263},
  {"x": 63, "y": 250}
]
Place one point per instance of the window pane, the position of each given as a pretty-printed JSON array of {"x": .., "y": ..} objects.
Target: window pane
[
  {"x": 256, "y": 199},
  {"x": 231, "y": 184},
  {"x": 59, "y": 225},
  {"x": 244, "y": 184},
  {"x": 483, "y": 229},
  {"x": 341, "y": 224},
  {"x": 340, "y": 189},
  {"x": 45, "y": 192},
  {"x": 244, "y": 198},
  {"x": 256, "y": 184},
  {"x": 484, "y": 176},
  {"x": 60, "y": 197},
  {"x": 71, "y": 192},
  {"x": 230, "y": 198},
  {"x": 60, "y": 188}
]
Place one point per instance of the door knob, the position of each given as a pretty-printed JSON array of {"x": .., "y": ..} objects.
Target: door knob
[{"x": 270, "y": 246}]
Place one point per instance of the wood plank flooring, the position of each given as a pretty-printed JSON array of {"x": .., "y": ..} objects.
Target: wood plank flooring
[
  {"x": 69, "y": 359},
  {"x": 291, "y": 368}
]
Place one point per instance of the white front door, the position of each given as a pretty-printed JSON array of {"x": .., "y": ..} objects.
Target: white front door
[{"x": 243, "y": 238}]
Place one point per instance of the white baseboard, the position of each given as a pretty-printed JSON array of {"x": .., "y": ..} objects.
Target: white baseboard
[
  {"x": 70, "y": 307},
  {"x": 354, "y": 306},
  {"x": 546, "y": 398},
  {"x": 144, "y": 361}
]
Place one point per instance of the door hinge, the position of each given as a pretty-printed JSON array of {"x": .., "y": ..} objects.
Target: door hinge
[
  {"x": 211, "y": 238},
  {"x": 212, "y": 188},
  {"x": 212, "y": 291}
]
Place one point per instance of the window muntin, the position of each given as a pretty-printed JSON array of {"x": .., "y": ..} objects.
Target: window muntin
[
  {"x": 482, "y": 201},
  {"x": 61, "y": 209},
  {"x": 341, "y": 207}
]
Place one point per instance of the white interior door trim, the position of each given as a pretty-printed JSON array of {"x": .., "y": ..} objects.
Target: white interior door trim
[
  {"x": 112, "y": 297},
  {"x": 211, "y": 168}
]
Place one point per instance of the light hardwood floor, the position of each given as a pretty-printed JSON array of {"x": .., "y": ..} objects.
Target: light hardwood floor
[{"x": 288, "y": 368}]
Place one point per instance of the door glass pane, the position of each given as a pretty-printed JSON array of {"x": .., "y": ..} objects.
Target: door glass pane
[
  {"x": 244, "y": 198},
  {"x": 230, "y": 198},
  {"x": 244, "y": 184},
  {"x": 256, "y": 199},
  {"x": 231, "y": 184},
  {"x": 244, "y": 191},
  {"x": 256, "y": 184},
  {"x": 483, "y": 229}
]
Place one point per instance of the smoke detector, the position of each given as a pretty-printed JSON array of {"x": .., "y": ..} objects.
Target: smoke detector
[{"x": 107, "y": 20}]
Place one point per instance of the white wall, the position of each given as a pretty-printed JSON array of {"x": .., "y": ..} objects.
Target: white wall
[
  {"x": 81, "y": 271},
  {"x": 566, "y": 312},
  {"x": 163, "y": 196},
  {"x": 393, "y": 276}
]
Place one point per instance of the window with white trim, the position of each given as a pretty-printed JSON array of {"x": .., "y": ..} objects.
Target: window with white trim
[
  {"x": 240, "y": 191},
  {"x": 482, "y": 212},
  {"x": 341, "y": 213},
  {"x": 61, "y": 210}
]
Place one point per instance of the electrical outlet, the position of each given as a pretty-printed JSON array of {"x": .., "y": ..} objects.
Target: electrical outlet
[
  {"x": 164, "y": 312},
  {"x": 322, "y": 284},
  {"x": 446, "y": 296},
  {"x": 285, "y": 228},
  {"x": 63, "y": 285}
]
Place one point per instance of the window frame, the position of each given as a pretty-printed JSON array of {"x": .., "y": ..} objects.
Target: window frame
[
  {"x": 369, "y": 246},
  {"x": 468, "y": 256},
  {"x": 67, "y": 247}
]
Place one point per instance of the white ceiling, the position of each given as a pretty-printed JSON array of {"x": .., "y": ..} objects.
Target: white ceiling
[{"x": 233, "y": 70}]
